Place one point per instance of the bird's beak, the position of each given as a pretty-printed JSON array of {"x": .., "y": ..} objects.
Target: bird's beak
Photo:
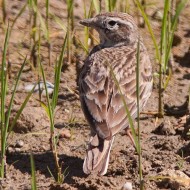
[{"x": 91, "y": 22}]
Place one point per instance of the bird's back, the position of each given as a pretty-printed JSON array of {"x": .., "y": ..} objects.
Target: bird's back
[{"x": 102, "y": 101}]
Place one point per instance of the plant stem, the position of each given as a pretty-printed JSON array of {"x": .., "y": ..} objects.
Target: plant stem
[
  {"x": 144, "y": 6},
  {"x": 34, "y": 28},
  {"x": 33, "y": 173},
  {"x": 69, "y": 21},
  {"x": 160, "y": 93},
  {"x": 4, "y": 10},
  {"x": 47, "y": 26},
  {"x": 51, "y": 106},
  {"x": 138, "y": 115},
  {"x": 100, "y": 1},
  {"x": 3, "y": 98}
]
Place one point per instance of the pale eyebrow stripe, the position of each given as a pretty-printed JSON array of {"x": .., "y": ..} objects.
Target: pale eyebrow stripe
[{"x": 123, "y": 22}]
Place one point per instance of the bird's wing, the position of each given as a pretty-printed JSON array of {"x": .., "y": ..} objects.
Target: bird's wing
[
  {"x": 94, "y": 94},
  {"x": 125, "y": 73},
  {"x": 101, "y": 100}
]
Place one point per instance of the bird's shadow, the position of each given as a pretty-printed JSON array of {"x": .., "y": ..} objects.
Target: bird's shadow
[
  {"x": 184, "y": 60},
  {"x": 177, "y": 111},
  {"x": 188, "y": 33},
  {"x": 69, "y": 97},
  {"x": 186, "y": 76},
  {"x": 71, "y": 165}
]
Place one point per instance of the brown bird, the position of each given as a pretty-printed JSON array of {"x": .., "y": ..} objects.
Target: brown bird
[{"x": 100, "y": 97}]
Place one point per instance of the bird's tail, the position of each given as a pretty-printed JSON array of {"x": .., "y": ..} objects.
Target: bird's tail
[{"x": 98, "y": 153}]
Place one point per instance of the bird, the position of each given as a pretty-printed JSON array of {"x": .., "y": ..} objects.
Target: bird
[{"x": 101, "y": 100}]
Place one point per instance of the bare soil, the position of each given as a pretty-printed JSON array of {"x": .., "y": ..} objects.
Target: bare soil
[{"x": 165, "y": 142}]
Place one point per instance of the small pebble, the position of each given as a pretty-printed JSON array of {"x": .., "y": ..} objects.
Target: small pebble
[
  {"x": 17, "y": 149},
  {"x": 157, "y": 163},
  {"x": 10, "y": 149},
  {"x": 127, "y": 186},
  {"x": 141, "y": 22},
  {"x": 40, "y": 87},
  {"x": 45, "y": 148},
  {"x": 158, "y": 15},
  {"x": 19, "y": 143},
  {"x": 65, "y": 134}
]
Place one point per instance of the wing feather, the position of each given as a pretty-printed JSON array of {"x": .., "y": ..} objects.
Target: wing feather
[{"x": 100, "y": 94}]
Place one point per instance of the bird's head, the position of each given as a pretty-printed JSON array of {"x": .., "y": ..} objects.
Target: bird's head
[{"x": 113, "y": 28}]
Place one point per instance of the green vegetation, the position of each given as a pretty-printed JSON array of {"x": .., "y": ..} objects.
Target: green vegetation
[
  {"x": 163, "y": 48},
  {"x": 5, "y": 129},
  {"x": 50, "y": 109},
  {"x": 40, "y": 30}
]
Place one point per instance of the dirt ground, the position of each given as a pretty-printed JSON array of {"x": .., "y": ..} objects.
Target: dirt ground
[{"x": 165, "y": 142}]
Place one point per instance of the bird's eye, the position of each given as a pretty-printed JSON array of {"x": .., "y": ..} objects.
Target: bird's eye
[{"x": 112, "y": 23}]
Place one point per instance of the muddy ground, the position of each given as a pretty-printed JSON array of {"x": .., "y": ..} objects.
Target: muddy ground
[{"x": 165, "y": 143}]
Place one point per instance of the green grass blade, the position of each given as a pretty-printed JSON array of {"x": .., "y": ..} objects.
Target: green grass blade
[
  {"x": 58, "y": 68},
  {"x": 47, "y": 21},
  {"x": 33, "y": 173},
  {"x": 84, "y": 8},
  {"x": 41, "y": 19},
  {"x": 59, "y": 22},
  {"x": 13, "y": 93},
  {"x": 47, "y": 12},
  {"x": 86, "y": 29},
  {"x": 4, "y": 10},
  {"x": 70, "y": 6},
  {"x": 48, "y": 106},
  {"x": 64, "y": 28},
  {"x": 50, "y": 172},
  {"x": 106, "y": 5},
  {"x": 82, "y": 45},
  {"x": 113, "y": 4},
  {"x": 138, "y": 114},
  {"x": 90, "y": 10},
  {"x": 47, "y": 97},
  {"x": 189, "y": 99},
  {"x": 167, "y": 79},
  {"x": 137, "y": 2},
  {"x": 45, "y": 107},
  {"x": 137, "y": 93},
  {"x": 22, "y": 108},
  {"x": 53, "y": 144},
  {"x": 179, "y": 9},
  {"x": 43, "y": 26},
  {"x": 69, "y": 29},
  {"x": 126, "y": 109},
  {"x": 4, "y": 76},
  {"x": 164, "y": 30},
  {"x": 3, "y": 98},
  {"x": 18, "y": 15},
  {"x": 30, "y": 3},
  {"x": 96, "y": 6},
  {"x": 65, "y": 173}
]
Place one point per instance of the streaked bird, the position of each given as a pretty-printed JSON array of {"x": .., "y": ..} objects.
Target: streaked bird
[{"x": 100, "y": 97}]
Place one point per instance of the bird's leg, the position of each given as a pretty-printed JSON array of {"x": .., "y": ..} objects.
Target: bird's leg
[{"x": 128, "y": 132}]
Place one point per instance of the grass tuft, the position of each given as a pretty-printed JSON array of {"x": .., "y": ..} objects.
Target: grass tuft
[{"x": 50, "y": 109}]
